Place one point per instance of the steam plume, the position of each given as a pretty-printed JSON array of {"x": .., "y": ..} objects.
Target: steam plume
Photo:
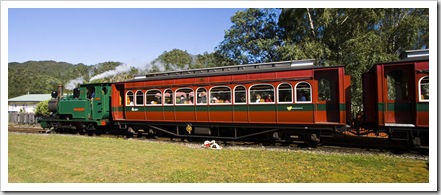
[
  {"x": 119, "y": 69},
  {"x": 74, "y": 82}
]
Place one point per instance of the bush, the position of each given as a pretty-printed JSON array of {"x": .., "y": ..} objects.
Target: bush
[{"x": 42, "y": 109}]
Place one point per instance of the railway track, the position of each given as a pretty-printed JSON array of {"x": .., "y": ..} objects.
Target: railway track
[{"x": 342, "y": 144}]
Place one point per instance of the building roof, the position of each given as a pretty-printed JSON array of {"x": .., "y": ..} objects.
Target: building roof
[{"x": 31, "y": 98}]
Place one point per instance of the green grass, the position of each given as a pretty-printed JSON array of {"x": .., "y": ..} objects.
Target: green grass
[{"x": 78, "y": 159}]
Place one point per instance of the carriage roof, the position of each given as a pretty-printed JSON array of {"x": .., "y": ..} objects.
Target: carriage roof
[{"x": 231, "y": 70}]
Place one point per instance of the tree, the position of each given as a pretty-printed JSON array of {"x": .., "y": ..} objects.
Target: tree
[
  {"x": 405, "y": 29},
  {"x": 254, "y": 37},
  {"x": 174, "y": 59},
  {"x": 356, "y": 38},
  {"x": 207, "y": 60}
]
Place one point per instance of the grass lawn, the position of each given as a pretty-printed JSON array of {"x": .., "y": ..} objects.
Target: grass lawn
[{"x": 81, "y": 159}]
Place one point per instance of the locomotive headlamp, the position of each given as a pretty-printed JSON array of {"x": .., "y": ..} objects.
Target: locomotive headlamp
[{"x": 54, "y": 94}]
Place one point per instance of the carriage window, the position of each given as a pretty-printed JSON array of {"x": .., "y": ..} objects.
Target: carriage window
[
  {"x": 168, "y": 97},
  {"x": 397, "y": 88},
  {"x": 261, "y": 93},
  {"x": 202, "y": 96},
  {"x": 220, "y": 95},
  {"x": 285, "y": 93},
  {"x": 129, "y": 99},
  {"x": 240, "y": 95},
  {"x": 153, "y": 97},
  {"x": 324, "y": 90},
  {"x": 303, "y": 92},
  {"x": 424, "y": 89},
  {"x": 184, "y": 96},
  {"x": 139, "y": 98}
]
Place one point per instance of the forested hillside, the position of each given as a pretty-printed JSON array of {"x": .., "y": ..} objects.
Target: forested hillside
[{"x": 43, "y": 76}]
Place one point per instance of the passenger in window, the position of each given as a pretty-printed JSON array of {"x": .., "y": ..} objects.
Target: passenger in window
[
  {"x": 302, "y": 97},
  {"x": 214, "y": 100},
  {"x": 202, "y": 97},
  {"x": 227, "y": 99},
  {"x": 269, "y": 98},
  {"x": 168, "y": 100},
  {"x": 157, "y": 99},
  {"x": 258, "y": 98},
  {"x": 182, "y": 99}
]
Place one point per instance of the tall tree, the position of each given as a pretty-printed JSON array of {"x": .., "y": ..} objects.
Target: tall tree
[
  {"x": 253, "y": 38},
  {"x": 356, "y": 38}
]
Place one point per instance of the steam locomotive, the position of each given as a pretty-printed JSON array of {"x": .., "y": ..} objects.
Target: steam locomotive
[{"x": 279, "y": 101}]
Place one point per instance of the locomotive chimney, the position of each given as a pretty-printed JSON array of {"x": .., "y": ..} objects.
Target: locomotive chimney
[{"x": 60, "y": 90}]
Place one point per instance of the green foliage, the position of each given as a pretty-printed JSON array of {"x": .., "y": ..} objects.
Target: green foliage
[
  {"x": 182, "y": 60},
  {"x": 174, "y": 59},
  {"x": 42, "y": 109},
  {"x": 103, "y": 67},
  {"x": 356, "y": 38},
  {"x": 253, "y": 38},
  {"x": 42, "y": 77},
  {"x": 208, "y": 60},
  {"x": 37, "y": 76}
]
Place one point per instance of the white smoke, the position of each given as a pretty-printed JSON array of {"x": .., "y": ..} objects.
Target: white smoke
[
  {"x": 119, "y": 69},
  {"x": 161, "y": 67},
  {"x": 156, "y": 65},
  {"x": 74, "y": 82}
]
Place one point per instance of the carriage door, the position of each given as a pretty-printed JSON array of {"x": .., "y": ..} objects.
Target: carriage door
[
  {"x": 327, "y": 108},
  {"x": 118, "y": 102},
  {"x": 399, "y": 95}
]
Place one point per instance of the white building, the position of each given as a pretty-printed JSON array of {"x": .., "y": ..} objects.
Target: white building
[{"x": 26, "y": 103}]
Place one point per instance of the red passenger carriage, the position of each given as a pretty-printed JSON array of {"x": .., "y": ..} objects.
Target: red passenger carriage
[
  {"x": 282, "y": 100},
  {"x": 396, "y": 97}
]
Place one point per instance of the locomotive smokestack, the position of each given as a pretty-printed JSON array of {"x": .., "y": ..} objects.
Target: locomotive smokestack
[{"x": 60, "y": 90}]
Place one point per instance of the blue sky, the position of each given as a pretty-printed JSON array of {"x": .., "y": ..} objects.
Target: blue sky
[{"x": 94, "y": 35}]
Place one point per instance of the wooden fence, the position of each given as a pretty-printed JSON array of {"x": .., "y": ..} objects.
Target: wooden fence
[{"x": 22, "y": 118}]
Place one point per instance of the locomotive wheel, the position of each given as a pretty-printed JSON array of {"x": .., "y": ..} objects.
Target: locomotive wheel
[
  {"x": 90, "y": 129},
  {"x": 81, "y": 131},
  {"x": 312, "y": 140},
  {"x": 139, "y": 133},
  {"x": 130, "y": 132}
]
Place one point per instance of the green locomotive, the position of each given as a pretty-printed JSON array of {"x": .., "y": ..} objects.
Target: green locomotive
[{"x": 87, "y": 110}]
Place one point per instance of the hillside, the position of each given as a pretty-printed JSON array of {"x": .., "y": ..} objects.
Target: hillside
[{"x": 43, "y": 76}]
